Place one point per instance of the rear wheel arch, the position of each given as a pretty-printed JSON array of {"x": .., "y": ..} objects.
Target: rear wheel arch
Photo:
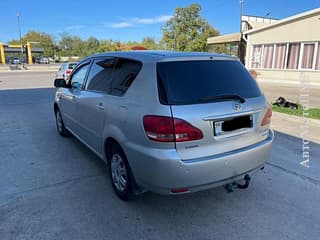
[
  {"x": 108, "y": 145},
  {"x": 113, "y": 148},
  {"x": 111, "y": 143}
]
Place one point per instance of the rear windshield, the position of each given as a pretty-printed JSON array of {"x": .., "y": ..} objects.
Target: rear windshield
[
  {"x": 190, "y": 82},
  {"x": 72, "y": 65}
]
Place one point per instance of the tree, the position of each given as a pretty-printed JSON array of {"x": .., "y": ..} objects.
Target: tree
[
  {"x": 187, "y": 30},
  {"x": 92, "y": 45},
  {"x": 72, "y": 46},
  {"x": 44, "y": 40},
  {"x": 108, "y": 46},
  {"x": 66, "y": 44},
  {"x": 150, "y": 43}
]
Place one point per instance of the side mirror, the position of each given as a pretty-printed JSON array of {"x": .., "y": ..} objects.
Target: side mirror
[{"x": 60, "y": 82}]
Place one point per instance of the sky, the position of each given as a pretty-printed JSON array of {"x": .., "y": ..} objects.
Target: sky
[{"x": 127, "y": 20}]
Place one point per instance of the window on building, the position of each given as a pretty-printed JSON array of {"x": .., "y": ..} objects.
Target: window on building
[
  {"x": 293, "y": 56},
  {"x": 256, "y": 56},
  {"x": 307, "y": 56},
  {"x": 267, "y": 56},
  {"x": 280, "y": 56},
  {"x": 318, "y": 58},
  {"x": 300, "y": 55}
]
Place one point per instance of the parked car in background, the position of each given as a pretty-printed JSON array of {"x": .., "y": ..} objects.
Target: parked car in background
[
  {"x": 36, "y": 60},
  {"x": 15, "y": 61},
  {"x": 168, "y": 122},
  {"x": 44, "y": 60},
  {"x": 65, "y": 70}
]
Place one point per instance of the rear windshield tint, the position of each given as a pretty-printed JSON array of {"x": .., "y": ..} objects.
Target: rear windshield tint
[
  {"x": 190, "y": 82},
  {"x": 71, "y": 65}
]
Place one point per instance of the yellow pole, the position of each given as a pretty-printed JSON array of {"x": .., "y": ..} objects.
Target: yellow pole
[
  {"x": 29, "y": 53},
  {"x": 3, "y": 59}
]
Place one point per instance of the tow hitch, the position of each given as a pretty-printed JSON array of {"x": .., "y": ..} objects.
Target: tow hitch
[{"x": 230, "y": 186}]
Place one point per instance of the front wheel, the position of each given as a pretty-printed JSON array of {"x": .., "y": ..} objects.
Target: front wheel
[
  {"x": 119, "y": 171},
  {"x": 60, "y": 125}
]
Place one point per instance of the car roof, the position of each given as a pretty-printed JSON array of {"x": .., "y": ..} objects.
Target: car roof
[{"x": 155, "y": 56}]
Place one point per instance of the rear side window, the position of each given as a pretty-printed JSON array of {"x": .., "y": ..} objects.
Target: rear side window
[
  {"x": 100, "y": 75},
  {"x": 190, "y": 82},
  {"x": 124, "y": 74},
  {"x": 113, "y": 75}
]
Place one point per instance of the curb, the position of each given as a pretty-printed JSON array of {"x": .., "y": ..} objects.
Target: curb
[
  {"x": 304, "y": 128},
  {"x": 290, "y": 82}
]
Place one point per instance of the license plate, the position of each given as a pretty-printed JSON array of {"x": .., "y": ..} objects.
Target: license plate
[
  {"x": 234, "y": 125},
  {"x": 218, "y": 128}
]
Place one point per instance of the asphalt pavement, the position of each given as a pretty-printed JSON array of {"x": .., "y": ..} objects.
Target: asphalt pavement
[
  {"x": 308, "y": 95},
  {"x": 55, "y": 188}
]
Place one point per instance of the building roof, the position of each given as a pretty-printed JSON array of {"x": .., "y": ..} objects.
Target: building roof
[
  {"x": 229, "y": 38},
  {"x": 285, "y": 20},
  {"x": 255, "y": 25}
]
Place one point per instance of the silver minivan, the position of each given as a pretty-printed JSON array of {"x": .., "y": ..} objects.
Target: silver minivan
[{"x": 167, "y": 122}]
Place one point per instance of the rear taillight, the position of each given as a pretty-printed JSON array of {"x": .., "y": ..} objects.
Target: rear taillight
[
  {"x": 184, "y": 131},
  {"x": 267, "y": 117},
  {"x": 68, "y": 71},
  {"x": 168, "y": 129}
]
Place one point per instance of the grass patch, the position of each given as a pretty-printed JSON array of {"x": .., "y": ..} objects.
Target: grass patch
[{"x": 310, "y": 113}]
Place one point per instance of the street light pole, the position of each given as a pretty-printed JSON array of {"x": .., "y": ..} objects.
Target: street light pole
[{"x": 19, "y": 29}]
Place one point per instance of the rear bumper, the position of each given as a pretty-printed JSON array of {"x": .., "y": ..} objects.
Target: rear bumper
[{"x": 161, "y": 170}]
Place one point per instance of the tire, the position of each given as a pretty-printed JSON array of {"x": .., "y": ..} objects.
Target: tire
[
  {"x": 120, "y": 174},
  {"x": 60, "y": 125}
]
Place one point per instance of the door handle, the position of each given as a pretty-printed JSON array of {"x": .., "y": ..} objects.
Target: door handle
[
  {"x": 73, "y": 98},
  {"x": 100, "y": 106}
]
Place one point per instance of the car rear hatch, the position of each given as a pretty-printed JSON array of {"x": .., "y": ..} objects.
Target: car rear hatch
[{"x": 219, "y": 98}]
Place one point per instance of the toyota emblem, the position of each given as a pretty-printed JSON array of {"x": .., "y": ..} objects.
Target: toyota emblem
[{"x": 237, "y": 106}]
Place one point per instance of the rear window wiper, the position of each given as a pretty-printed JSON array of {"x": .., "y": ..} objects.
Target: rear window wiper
[{"x": 222, "y": 97}]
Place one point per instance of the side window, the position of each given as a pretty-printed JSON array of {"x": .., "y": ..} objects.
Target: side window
[
  {"x": 78, "y": 77},
  {"x": 125, "y": 72},
  {"x": 100, "y": 76}
]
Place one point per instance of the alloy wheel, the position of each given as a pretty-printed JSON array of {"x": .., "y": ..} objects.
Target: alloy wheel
[{"x": 118, "y": 172}]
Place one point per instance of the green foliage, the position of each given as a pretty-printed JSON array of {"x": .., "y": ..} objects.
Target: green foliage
[
  {"x": 108, "y": 46},
  {"x": 150, "y": 43},
  {"x": 44, "y": 40},
  {"x": 71, "y": 45},
  {"x": 308, "y": 113},
  {"x": 187, "y": 30}
]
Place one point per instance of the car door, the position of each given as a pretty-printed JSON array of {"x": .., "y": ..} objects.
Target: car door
[
  {"x": 91, "y": 103},
  {"x": 69, "y": 96}
]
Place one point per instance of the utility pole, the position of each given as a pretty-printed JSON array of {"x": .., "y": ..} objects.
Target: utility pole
[
  {"x": 241, "y": 6},
  {"x": 240, "y": 48},
  {"x": 19, "y": 29}
]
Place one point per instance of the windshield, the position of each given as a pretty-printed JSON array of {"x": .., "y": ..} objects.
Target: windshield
[{"x": 189, "y": 82}]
